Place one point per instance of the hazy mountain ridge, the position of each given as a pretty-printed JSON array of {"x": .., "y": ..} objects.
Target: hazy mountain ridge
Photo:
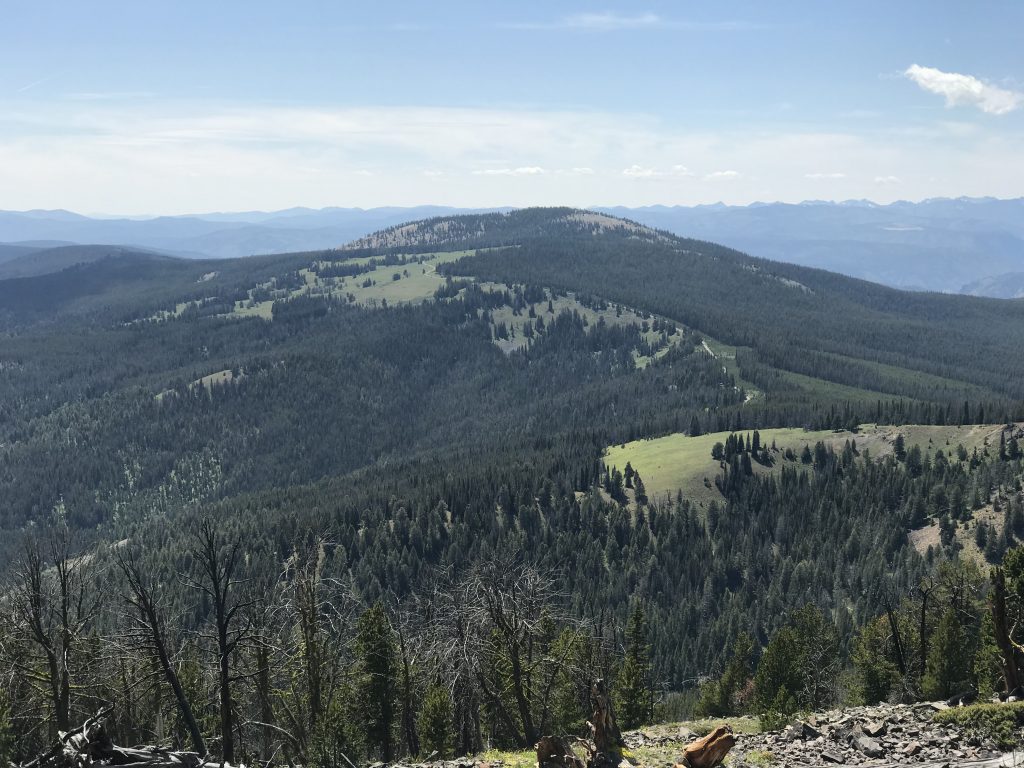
[{"x": 938, "y": 244}]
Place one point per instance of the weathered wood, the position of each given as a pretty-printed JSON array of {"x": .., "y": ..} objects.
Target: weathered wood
[
  {"x": 604, "y": 729},
  {"x": 554, "y": 752},
  {"x": 606, "y": 749},
  {"x": 89, "y": 744},
  {"x": 1009, "y": 653},
  {"x": 711, "y": 750}
]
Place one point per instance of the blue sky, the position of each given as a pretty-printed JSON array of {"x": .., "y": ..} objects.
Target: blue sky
[{"x": 172, "y": 107}]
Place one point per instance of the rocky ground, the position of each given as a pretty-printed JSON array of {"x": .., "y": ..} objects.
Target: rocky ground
[{"x": 884, "y": 735}]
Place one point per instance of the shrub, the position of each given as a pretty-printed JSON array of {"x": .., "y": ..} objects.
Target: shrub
[{"x": 994, "y": 722}]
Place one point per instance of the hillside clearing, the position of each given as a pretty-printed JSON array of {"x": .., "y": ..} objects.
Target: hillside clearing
[{"x": 679, "y": 462}]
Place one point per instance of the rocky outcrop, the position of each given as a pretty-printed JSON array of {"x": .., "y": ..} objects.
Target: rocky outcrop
[{"x": 885, "y": 735}]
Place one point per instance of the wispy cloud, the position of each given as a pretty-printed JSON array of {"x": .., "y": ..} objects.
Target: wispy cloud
[
  {"x": 176, "y": 157},
  {"x": 612, "y": 21},
  {"x": 965, "y": 90},
  {"x": 34, "y": 83},
  {"x": 609, "y": 21},
  {"x": 823, "y": 176},
  {"x": 643, "y": 172},
  {"x": 109, "y": 95},
  {"x": 528, "y": 170}
]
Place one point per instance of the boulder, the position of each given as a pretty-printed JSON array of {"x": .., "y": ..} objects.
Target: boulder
[{"x": 868, "y": 746}]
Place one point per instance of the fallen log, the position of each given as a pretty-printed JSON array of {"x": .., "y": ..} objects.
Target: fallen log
[{"x": 89, "y": 745}]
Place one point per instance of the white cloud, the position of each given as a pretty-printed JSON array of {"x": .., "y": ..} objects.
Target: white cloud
[
  {"x": 643, "y": 172},
  {"x": 965, "y": 90},
  {"x": 611, "y": 21},
  {"x": 887, "y": 180},
  {"x": 722, "y": 175},
  {"x": 528, "y": 170},
  {"x": 823, "y": 176},
  {"x": 639, "y": 172},
  {"x": 184, "y": 157}
]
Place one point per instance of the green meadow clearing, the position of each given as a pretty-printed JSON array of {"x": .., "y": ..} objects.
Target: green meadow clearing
[{"x": 678, "y": 462}]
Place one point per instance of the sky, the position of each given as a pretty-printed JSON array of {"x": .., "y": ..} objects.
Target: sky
[{"x": 171, "y": 107}]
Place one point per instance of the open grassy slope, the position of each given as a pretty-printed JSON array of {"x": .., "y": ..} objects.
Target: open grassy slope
[{"x": 681, "y": 463}]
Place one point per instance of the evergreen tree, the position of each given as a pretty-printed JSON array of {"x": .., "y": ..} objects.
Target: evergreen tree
[
  {"x": 376, "y": 682},
  {"x": 633, "y": 707},
  {"x": 778, "y": 674},
  {"x": 875, "y": 670},
  {"x": 949, "y": 666},
  {"x": 899, "y": 449},
  {"x": 435, "y": 722}
]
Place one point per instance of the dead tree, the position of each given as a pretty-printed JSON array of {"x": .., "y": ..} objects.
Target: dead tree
[
  {"x": 403, "y": 623},
  {"x": 505, "y": 604},
  {"x": 316, "y": 614},
  {"x": 925, "y": 589},
  {"x": 217, "y": 564},
  {"x": 54, "y": 606},
  {"x": 1010, "y": 652},
  {"x": 149, "y": 632},
  {"x": 889, "y": 603},
  {"x": 608, "y": 741}
]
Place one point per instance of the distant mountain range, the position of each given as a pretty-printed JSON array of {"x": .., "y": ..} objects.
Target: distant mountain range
[{"x": 969, "y": 245}]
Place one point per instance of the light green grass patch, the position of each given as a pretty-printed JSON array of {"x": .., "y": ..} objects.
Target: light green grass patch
[
  {"x": 263, "y": 309},
  {"x": 679, "y": 462}
]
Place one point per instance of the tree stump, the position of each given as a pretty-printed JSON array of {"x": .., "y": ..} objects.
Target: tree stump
[
  {"x": 606, "y": 751},
  {"x": 710, "y": 750},
  {"x": 553, "y": 752}
]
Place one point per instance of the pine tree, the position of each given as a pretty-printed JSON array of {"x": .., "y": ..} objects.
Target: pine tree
[
  {"x": 778, "y": 668},
  {"x": 633, "y": 705},
  {"x": 899, "y": 449},
  {"x": 435, "y": 722},
  {"x": 376, "y": 686},
  {"x": 872, "y": 661},
  {"x": 949, "y": 667}
]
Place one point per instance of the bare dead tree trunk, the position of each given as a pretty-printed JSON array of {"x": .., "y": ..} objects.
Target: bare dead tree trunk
[
  {"x": 263, "y": 692},
  {"x": 605, "y": 730},
  {"x": 925, "y": 592},
  {"x": 149, "y": 621},
  {"x": 894, "y": 627},
  {"x": 55, "y": 609},
  {"x": 217, "y": 563},
  {"x": 412, "y": 741},
  {"x": 1007, "y": 649}
]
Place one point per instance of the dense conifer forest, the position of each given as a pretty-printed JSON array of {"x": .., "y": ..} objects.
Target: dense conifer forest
[{"x": 274, "y": 516}]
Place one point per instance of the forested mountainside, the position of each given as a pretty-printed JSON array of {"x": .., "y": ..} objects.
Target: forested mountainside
[{"x": 413, "y": 426}]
